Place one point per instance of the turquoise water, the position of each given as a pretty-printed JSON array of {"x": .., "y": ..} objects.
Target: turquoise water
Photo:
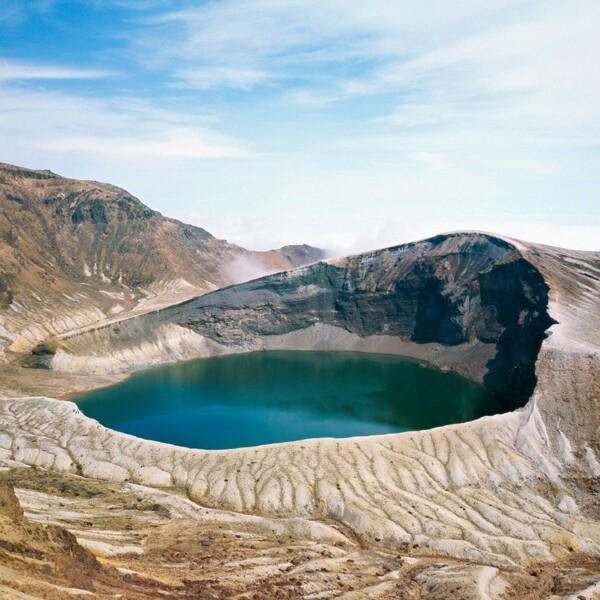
[{"x": 265, "y": 397}]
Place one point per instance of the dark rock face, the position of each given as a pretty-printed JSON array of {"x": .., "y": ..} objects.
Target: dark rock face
[
  {"x": 92, "y": 211},
  {"x": 517, "y": 296}
]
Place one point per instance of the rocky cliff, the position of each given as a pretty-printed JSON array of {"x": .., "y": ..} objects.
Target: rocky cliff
[{"x": 78, "y": 252}]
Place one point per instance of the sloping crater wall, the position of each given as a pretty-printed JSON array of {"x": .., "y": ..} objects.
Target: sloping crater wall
[
  {"x": 476, "y": 294},
  {"x": 469, "y": 302}
]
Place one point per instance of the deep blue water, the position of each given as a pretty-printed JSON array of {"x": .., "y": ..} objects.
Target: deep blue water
[{"x": 265, "y": 397}]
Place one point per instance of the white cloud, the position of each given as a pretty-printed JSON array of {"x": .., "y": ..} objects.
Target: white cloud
[
  {"x": 543, "y": 70},
  {"x": 55, "y": 122},
  {"x": 133, "y": 4},
  {"x": 212, "y": 77},
  {"x": 341, "y": 236},
  {"x": 11, "y": 70},
  {"x": 309, "y": 97},
  {"x": 244, "y": 268},
  {"x": 11, "y": 13},
  {"x": 431, "y": 159},
  {"x": 297, "y": 37},
  {"x": 172, "y": 143},
  {"x": 510, "y": 66}
]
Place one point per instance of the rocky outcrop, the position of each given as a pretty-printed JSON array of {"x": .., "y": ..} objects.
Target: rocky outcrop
[
  {"x": 73, "y": 253},
  {"x": 34, "y": 552}
]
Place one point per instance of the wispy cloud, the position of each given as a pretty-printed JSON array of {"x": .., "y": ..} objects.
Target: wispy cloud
[
  {"x": 213, "y": 77},
  {"x": 277, "y": 38},
  {"x": 509, "y": 63},
  {"x": 539, "y": 70},
  {"x": 11, "y": 13},
  {"x": 430, "y": 159},
  {"x": 172, "y": 143},
  {"x": 11, "y": 70},
  {"x": 312, "y": 97},
  {"x": 137, "y": 5},
  {"x": 288, "y": 36},
  {"x": 66, "y": 123}
]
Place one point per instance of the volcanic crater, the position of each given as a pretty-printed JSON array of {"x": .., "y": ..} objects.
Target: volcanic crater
[{"x": 502, "y": 507}]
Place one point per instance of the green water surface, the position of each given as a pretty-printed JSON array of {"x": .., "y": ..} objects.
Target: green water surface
[{"x": 265, "y": 397}]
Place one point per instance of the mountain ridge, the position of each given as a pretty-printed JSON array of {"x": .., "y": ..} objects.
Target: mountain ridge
[{"x": 93, "y": 250}]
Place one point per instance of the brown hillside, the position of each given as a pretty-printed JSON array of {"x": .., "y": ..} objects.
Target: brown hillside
[{"x": 92, "y": 251}]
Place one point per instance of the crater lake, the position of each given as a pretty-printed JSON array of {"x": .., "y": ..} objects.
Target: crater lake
[{"x": 279, "y": 396}]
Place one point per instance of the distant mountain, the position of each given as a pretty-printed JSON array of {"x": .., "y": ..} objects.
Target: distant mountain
[{"x": 73, "y": 253}]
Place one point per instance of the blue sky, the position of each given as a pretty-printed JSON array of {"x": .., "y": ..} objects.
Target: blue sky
[{"x": 341, "y": 123}]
